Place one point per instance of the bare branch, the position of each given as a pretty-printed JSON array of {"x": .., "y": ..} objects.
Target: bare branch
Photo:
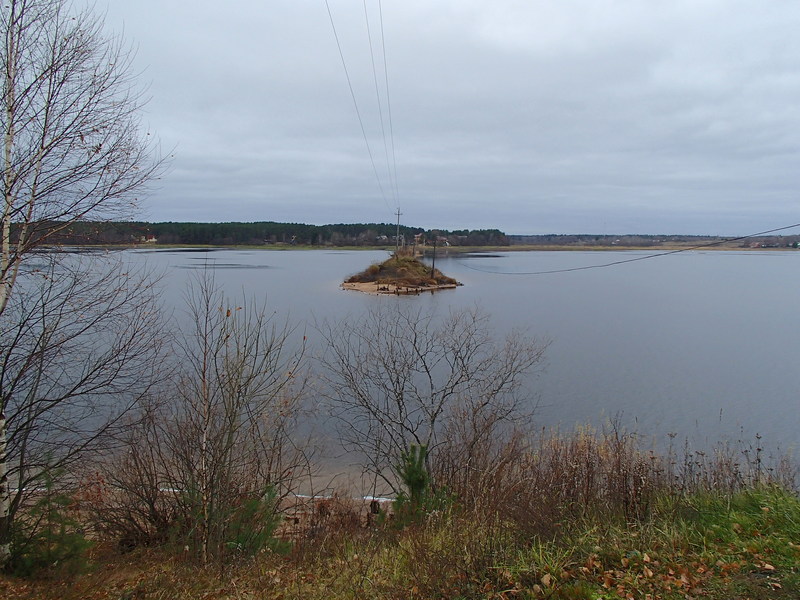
[
  {"x": 80, "y": 342},
  {"x": 73, "y": 149},
  {"x": 399, "y": 377},
  {"x": 73, "y": 145}
]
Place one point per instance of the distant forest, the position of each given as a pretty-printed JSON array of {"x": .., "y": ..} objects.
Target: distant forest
[
  {"x": 640, "y": 241},
  {"x": 267, "y": 233}
]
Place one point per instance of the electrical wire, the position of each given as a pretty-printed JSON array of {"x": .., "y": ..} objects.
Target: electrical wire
[
  {"x": 378, "y": 98},
  {"x": 636, "y": 259},
  {"x": 389, "y": 107},
  {"x": 355, "y": 103}
]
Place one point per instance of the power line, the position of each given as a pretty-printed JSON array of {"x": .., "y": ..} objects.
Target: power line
[
  {"x": 389, "y": 105},
  {"x": 638, "y": 258},
  {"x": 378, "y": 97},
  {"x": 355, "y": 103}
]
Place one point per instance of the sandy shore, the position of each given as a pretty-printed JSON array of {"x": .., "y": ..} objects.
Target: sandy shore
[{"x": 397, "y": 290}]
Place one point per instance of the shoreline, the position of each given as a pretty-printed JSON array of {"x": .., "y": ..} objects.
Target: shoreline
[
  {"x": 390, "y": 289},
  {"x": 427, "y": 251}
]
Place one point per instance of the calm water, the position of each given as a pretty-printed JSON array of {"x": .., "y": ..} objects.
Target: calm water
[{"x": 706, "y": 345}]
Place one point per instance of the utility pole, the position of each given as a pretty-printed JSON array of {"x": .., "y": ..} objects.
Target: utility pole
[
  {"x": 397, "y": 235},
  {"x": 433, "y": 262}
]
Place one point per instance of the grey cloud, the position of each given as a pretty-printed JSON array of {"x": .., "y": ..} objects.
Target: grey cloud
[{"x": 528, "y": 116}]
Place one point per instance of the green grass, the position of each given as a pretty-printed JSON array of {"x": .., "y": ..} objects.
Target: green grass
[
  {"x": 586, "y": 515},
  {"x": 745, "y": 545}
]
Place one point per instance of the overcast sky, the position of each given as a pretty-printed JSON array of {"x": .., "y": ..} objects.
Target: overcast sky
[{"x": 531, "y": 116}]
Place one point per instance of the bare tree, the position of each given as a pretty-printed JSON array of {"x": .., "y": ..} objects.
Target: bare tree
[
  {"x": 238, "y": 401},
  {"x": 400, "y": 377},
  {"x": 72, "y": 149},
  {"x": 72, "y": 144},
  {"x": 226, "y": 437},
  {"x": 79, "y": 344}
]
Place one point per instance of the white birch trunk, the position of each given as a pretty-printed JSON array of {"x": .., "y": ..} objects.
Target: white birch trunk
[
  {"x": 9, "y": 98},
  {"x": 5, "y": 497},
  {"x": 72, "y": 149}
]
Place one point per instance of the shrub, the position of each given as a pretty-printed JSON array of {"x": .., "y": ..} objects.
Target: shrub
[
  {"x": 48, "y": 537},
  {"x": 418, "y": 499},
  {"x": 252, "y": 525}
]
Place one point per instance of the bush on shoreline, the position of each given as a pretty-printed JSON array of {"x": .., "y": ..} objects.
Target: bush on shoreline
[{"x": 582, "y": 515}]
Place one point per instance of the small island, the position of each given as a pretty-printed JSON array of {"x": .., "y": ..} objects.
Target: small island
[{"x": 402, "y": 273}]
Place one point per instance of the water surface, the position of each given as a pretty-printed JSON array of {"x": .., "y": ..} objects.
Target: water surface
[{"x": 703, "y": 344}]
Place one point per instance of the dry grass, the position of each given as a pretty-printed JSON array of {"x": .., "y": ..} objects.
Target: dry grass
[
  {"x": 543, "y": 483},
  {"x": 402, "y": 270},
  {"x": 589, "y": 514}
]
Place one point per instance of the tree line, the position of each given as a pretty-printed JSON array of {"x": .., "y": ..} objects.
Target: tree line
[
  {"x": 644, "y": 240},
  {"x": 255, "y": 234}
]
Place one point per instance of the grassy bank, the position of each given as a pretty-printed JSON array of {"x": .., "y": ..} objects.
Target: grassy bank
[
  {"x": 586, "y": 515},
  {"x": 746, "y": 545}
]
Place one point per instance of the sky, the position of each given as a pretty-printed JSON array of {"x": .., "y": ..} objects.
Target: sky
[{"x": 530, "y": 116}]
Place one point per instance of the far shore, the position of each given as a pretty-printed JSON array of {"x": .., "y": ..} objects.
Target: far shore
[{"x": 428, "y": 250}]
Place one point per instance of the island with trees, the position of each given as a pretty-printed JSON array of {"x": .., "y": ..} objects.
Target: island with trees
[{"x": 401, "y": 273}]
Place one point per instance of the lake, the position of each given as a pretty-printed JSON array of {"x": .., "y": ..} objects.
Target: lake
[{"x": 702, "y": 344}]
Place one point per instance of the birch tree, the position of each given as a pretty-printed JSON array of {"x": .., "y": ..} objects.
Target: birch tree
[
  {"x": 79, "y": 347},
  {"x": 224, "y": 439},
  {"x": 72, "y": 148},
  {"x": 213, "y": 456}
]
